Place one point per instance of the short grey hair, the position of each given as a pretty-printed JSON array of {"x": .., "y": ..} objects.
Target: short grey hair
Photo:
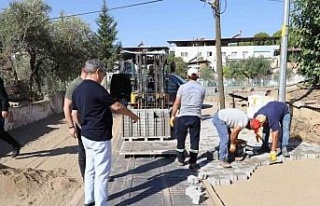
[{"x": 94, "y": 64}]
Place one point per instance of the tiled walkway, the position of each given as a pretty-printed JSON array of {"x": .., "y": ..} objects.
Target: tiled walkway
[{"x": 160, "y": 181}]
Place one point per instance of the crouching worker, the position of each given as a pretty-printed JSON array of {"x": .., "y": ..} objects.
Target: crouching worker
[
  {"x": 228, "y": 123},
  {"x": 275, "y": 116}
]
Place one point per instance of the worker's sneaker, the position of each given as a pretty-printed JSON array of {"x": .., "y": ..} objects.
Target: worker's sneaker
[
  {"x": 194, "y": 167},
  {"x": 285, "y": 152},
  {"x": 263, "y": 149},
  {"x": 239, "y": 158},
  {"x": 225, "y": 164},
  {"x": 15, "y": 152}
]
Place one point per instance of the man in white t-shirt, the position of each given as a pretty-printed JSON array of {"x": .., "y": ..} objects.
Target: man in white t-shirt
[
  {"x": 228, "y": 123},
  {"x": 189, "y": 102}
]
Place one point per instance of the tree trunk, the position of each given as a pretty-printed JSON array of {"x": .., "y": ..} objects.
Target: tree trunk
[{"x": 32, "y": 62}]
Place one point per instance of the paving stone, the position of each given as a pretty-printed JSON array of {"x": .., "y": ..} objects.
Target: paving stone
[{"x": 144, "y": 181}]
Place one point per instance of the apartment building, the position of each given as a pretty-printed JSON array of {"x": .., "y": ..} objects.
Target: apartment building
[{"x": 204, "y": 50}]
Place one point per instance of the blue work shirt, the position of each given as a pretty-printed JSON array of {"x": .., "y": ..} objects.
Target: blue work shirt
[{"x": 274, "y": 112}]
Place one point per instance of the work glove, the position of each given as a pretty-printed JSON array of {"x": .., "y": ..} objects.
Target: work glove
[
  {"x": 171, "y": 122},
  {"x": 232, "y": 148},
  {"x": 273, "y": 156}
]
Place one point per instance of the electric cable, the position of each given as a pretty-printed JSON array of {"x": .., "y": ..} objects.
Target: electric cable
[{"x": 115, "y": 8}]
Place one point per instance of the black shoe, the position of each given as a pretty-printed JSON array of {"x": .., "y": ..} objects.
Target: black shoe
[
  {"x": 90, "y": 204},
  {"x": 194, "y": 167},
  {"x": 180, "y": 163},
  {"x": 15, "y": 152},
  {"x": 263, "y": 149}
]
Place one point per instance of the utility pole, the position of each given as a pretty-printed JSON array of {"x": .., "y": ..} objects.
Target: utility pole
[
  {"x": 284, "y": 52},
  {"x": 215, "y": 5}
]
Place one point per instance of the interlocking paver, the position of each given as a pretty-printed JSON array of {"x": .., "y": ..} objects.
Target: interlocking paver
[{"x": 159, "y": 180}]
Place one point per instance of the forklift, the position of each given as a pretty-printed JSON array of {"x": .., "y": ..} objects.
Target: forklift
[{"x": 142, "y": 84}]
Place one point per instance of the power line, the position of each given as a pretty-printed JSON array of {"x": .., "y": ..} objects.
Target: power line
[{"x": 115, "y": 8}]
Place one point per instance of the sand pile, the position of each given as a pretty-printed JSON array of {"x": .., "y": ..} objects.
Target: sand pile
[{"x": 35, "y": 187}]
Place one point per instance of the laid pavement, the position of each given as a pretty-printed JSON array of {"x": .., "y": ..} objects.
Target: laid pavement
[{"x": 152, "y": 180}]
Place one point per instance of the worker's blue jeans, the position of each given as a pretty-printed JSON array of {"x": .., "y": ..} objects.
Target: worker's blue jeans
[
  {"x": 284, "y": 132},
  {"x": 223, "y": 133}
]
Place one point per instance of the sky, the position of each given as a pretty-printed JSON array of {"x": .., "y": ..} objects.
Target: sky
[{"x": 156, "y": 23}]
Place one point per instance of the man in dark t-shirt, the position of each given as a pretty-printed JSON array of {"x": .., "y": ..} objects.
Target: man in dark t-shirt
[
  {"x": 92, "y": 108},
  {"x": 275, "y": 116},
  {"x": 74, "y": 129},
  {"x": 4, "y": 109}
]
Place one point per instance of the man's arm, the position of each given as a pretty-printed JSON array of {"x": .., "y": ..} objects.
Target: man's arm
[
  {"x": 67, "y": 113},
  {"x": 75, "y": 118},
  {"x": 175, "y": 109},
  {"x": 275, "y": 136},
  {"x": 121, "y": 109},
  {"x": 4, "y": 100},
  {"x": 233, "y": 138}
]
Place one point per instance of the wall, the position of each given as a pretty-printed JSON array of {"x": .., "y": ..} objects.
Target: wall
[
  {"x": 305, "y": 124},
  {"x": 26, "y": 114}
]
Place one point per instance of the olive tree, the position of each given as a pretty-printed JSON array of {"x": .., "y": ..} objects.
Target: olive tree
[{"x": 306, "y": 30}]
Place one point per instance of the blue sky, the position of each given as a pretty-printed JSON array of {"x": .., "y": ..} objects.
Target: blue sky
[{"x": 154, "y": 24}]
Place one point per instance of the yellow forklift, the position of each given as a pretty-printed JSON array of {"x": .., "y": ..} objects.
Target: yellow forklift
[{"x": 146, "y": 86}]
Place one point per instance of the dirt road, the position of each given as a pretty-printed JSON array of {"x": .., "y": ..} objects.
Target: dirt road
[{"x": 46, "y": 172}]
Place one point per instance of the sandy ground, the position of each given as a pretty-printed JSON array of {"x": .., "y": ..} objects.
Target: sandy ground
[{"x": 47, "y": 173}]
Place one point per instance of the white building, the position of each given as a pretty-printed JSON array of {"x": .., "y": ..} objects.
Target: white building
[{"x": 231, "y": 48}]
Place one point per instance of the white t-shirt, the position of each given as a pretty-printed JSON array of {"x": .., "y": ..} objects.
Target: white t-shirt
[
  {"x": 233, "y": 117},
  {"x": 192, "y": 96}
]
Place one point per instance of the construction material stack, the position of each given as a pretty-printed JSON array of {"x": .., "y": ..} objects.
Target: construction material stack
[{"x": 145, "y": 69}]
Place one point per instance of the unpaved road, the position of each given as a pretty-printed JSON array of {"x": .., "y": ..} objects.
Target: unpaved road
[{"x": 46, "y": 172}]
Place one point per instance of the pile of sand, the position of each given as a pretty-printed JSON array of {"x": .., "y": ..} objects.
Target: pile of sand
[{"x": 35, "y": 187}]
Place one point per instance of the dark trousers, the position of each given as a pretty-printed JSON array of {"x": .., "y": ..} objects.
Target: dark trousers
[
  {"x": 5, "y": 136},
  {"x": 81, "y": 153},
  {"x": 182, "y": 126}
]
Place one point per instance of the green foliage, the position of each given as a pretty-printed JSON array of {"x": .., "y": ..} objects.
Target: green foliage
[
  {"x": 277, "y": 34},
  {"x": 289, "y": 73},
  {"x": 25, "y": 33},
  {"x": 72, "y": 46},
  {"x": 306, "y": 30},
  {"x": 41, "y": 53},
  {"x": 262, "y": 35},
  {"x": 106, "y": 37},
  {"x": 234, "y": 70},
  {"x": 207, "y": 73},
  {"x": 177, "y": 65},
  {"x": 250, "y": 69}
]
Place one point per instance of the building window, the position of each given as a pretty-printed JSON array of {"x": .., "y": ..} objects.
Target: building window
[
  {"x": 172, "y": 53},
  {"x": 184, "y": 54},
  {"x": 233, "y": 54},
  {"x": 262, "y": 54},
  {"x": 245, "y": 54},
  {"x": 209, "y": 54}
]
